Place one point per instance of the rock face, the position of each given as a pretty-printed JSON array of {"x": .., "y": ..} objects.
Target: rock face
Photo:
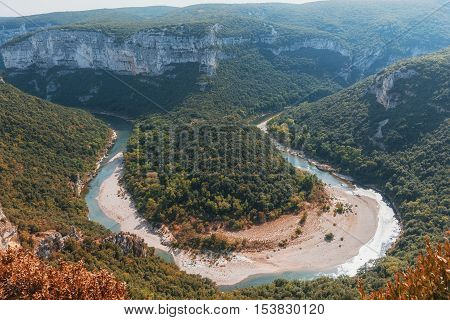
[
  {"x": 129, "y": 243},
  {"x": 8, "y": 233},
  {"x": 145, "y": 52},
  {"x": 48, "y": 242},
  {"x": 142, "y": 53},
  {"x": 45, "y": 243},
  {"x": 314, "y": 43},
  {"x": 384, "y": 87},
  {"x": 8, "y": 34}
]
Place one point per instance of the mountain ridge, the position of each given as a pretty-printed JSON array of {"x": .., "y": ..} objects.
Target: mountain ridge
[{"x": 293, "y": 38}]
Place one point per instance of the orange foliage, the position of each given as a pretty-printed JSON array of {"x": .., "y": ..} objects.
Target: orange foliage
[
  {"x": 427, "y": 280},
  {"x": 24, "y": 276}
]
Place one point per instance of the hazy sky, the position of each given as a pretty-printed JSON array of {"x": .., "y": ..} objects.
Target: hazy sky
[{"x": 29, "y": 7}]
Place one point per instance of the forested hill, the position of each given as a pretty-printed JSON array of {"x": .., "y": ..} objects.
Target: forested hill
[
  {"x": 342, "y": 17},
  {"x": 391, "y": 130},
  {"x": 202, "y": 172},
  {"x": 46, "y": 152}
]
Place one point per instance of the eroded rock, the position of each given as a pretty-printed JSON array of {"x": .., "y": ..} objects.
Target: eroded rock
[
  {"x": 8, "y": 233},
  {"x": 48, "y": 242},
  {"x": 384, "y": 87},
  {"x": 129, "y": 243},
  {"x": 148, "y": 52}
]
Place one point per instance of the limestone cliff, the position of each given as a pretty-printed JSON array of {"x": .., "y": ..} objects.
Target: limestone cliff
[
  {"x": 129, "y": 243},
  {"x": 7, "y": 34},
  {"x": 313, "y": 43},
  {"x": 144, "y": 52},
  {"x": 384, "y": 87},
  {"x": 8, "y": 233},
  {"x": 147, "y": 52},
  {"x": 152, "y": 52}
]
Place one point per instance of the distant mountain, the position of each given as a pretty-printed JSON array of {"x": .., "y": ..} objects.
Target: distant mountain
[
  {"x": 391, "y": 130},
  {"x": 157, "y": 50}
]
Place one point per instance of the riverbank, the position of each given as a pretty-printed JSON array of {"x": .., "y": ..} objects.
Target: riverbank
[
  {"x": 115, "y": 202},
  {"x": 308, "y": 251},
  {"x": 362, "y": 232}
]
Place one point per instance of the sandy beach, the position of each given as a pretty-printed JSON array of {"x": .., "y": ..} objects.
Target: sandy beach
[
  {"x": 117, "y": 205},
  {"x": 306, "y": 252}
]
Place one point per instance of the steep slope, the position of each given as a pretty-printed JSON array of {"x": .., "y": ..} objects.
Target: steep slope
[
  {"x": 390, "y": 130},
  {"x": 155, "y": 63},
  {"x": 13, "y": 27},
  {"x": 47, "y": 152},
  {"x": 215, "y": 67},
  {"x": 23, "y": 276},
  {"x": 163, "y": 48},
  {"x": 8, "y": 233}
]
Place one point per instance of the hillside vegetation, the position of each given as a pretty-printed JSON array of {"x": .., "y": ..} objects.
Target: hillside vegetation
[
  {"x": 200, "y": 168},
  {"x": 427, "y": 280},
  {"x": 197, "y": 175},
  {"x": 45, "y": 150},
  {"x": 24, "y": 276},
  {"x": 359, "y": 22},
  {"x": 399, "y": 143}
]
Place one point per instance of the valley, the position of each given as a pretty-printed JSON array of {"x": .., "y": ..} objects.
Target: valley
[
  {"x": 265, "y": 151},
  {"x": 368, "y": 229}
]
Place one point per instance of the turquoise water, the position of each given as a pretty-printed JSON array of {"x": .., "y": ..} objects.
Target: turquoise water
[
  {"x": 260, "y": 279},
  {"x": 123, "y": 129},
  {"x": 325, "y": 176}
]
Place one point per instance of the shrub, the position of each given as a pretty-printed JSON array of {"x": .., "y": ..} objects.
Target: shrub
[
  {"x": 329, "y": 237},
  {"x": 427, "y": 280},
  {"x": 24, "y": 276}
]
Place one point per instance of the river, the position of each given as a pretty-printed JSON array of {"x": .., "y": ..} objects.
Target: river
[
  {"x": 386, "y": 233},
  {"x": 123, "y": 130}
]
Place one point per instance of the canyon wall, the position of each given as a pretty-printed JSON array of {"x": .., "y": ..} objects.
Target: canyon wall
[{"x": 145, "y": 52}]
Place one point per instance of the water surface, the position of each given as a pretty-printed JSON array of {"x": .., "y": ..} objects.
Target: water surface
[
  {"x": 123, "y": 130},
  {"x": 387, "y": 231}
]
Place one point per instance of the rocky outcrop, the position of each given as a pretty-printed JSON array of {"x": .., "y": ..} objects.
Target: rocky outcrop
[
  {"x": 313, "y": 43},
  {"x": 8, "y": 233},
  {"x": 7, "y": 34},
  {"x": 167, "y": 238},
  {"x": 48, "y": 242},
  {"x": 147, "y": 52},
  {"x": 384, "y": 87},
  {"x": 379, "y": 133},
  {"x": 129, "y": 243}
]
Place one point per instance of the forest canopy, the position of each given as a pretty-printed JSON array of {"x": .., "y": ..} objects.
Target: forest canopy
[
  {"x": 46, "y": 150},
  {"x": 200, "y": 175},
  {"x": 402, "y": 148}
]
